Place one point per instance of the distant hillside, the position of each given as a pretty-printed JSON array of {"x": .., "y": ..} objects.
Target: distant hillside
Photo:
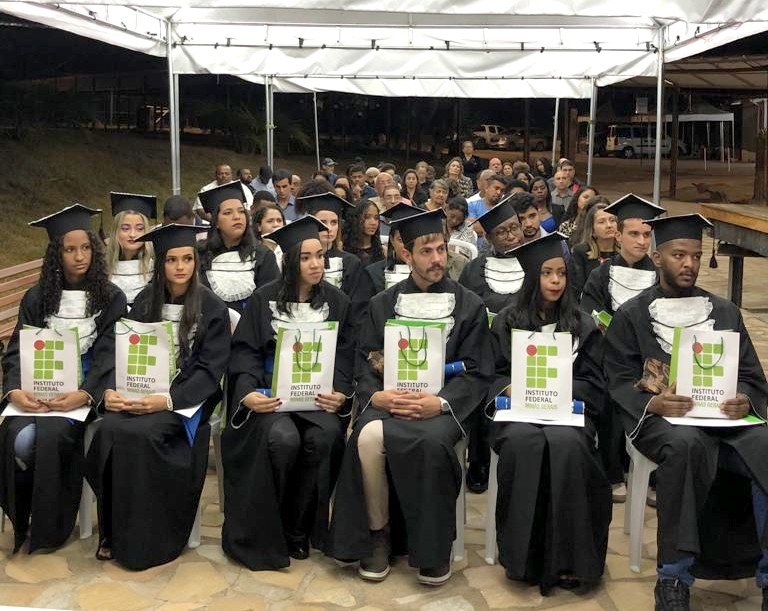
[{"x": 53, "y": 168}]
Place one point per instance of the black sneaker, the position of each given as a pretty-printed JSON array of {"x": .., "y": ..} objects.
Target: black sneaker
[
  {"x": 477, "y": 477},
  {"x": 376, "y": 566},
  {"x": 298, "y": 546},
  {"x": 436, "y": 576},
  {"x": 765, "y": 600},
  {"x": 672, "y": 595}
]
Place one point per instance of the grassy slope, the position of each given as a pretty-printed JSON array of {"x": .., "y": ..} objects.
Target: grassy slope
[{"x": 52, "y": 169}]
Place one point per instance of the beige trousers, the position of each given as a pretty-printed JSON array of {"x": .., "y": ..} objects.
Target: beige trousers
[{"x": 373, "y": 462}]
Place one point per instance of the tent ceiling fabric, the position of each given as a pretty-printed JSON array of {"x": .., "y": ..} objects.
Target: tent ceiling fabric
[{"x": 467, "y": 48}]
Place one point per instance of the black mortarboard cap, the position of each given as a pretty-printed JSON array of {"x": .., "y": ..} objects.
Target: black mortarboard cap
[
  {"x": 212, "y": 199},
  {"x": 400, "y": 211},
  {"x": 532, "y": 254},
  {"x": 68, "y": 219},
  {"x": 312, "y": 204},
  {"x": 144, "y": 204},
  {"x": 633, "y": 207},
  {"x": 305, "y": 228},
  {"x": 681, "y": 227},
  {"x": 494, "y": 217},
  {"x": 417, "y": 225},
  {"x": 173, "y": 235}
]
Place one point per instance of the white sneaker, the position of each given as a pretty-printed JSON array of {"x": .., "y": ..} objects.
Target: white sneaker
[
  {"x": 619, "y": 492},
  {"x": 650, "y": 500}
]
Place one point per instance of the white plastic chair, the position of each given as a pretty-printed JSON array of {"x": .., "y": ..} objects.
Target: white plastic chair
[
  {"x": 640, "y": 469},
  {"x": 465, "y": 248},
  {"x": 85, "y": 511},
  {"x": 459, "y": 550},
  {"x": 491, "y": 551}
]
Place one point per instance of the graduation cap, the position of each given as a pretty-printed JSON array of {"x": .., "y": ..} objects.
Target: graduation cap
[
  {"x": 633, "y": 207},
  {"x": 213, "y": 198},
  {"x": 68, "y": 219},
  {"x": 313, "y": 204},
  {"x": 532, "y": 255},
  {"x": 144, "y": 204},
  {"x": 494, "y": 217},
  {"x": 400, "y": 211},
  {"x": 173, "y": 235},
  {"x": 681, "y": 227},
  {"x": 306, "y": 228},
  {"x": 417, "y": 225}
]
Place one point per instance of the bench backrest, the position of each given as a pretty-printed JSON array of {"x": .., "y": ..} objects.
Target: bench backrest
[{"x": 14, "y": 282}]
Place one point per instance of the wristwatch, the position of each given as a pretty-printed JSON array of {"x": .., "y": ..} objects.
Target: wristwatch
[{"x": 445, "y": 407}]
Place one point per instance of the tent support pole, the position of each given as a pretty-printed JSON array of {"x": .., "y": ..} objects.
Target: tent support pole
[
  {"x": 659, "y": 117},
  {"x": 317, "y": 130},
  {"x": 173, "y": 113},
  {"x": 554, "y": 129},
  {"x": 592, "y": 122},
  {"x": 269, "y": 121}
]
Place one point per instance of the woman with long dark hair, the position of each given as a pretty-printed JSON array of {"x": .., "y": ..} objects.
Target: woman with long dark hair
[
  {"x": 130, "y": 262},
  {"x": 267, "y": 219},
  {"x": 361, "y": 234},
  {"x": 412, "y": 190},
  {"x": 549, "y": 214},
  {"x": 233, "y": 263},
  {"x": 342, "y": 269},
  {"x": 569, "y": 223},
  {"x": 550, "y": 476},
  {"x": 42, "y": 457},
  {"x": 280, "y": 467},
  {"x": 147, "y": 463}
]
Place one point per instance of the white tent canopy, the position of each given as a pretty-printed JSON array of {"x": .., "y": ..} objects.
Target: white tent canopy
[{"x": 462, "y": 48}]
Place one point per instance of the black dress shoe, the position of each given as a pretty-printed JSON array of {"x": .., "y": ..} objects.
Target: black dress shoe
[
  {"x": 672, "y": 595},
  {"x": 764, "y": 606},
  {"x": 298, "y": 546},
  {"x": 477, "y": 478}
]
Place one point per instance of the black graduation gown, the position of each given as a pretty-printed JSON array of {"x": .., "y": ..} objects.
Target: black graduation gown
[
  {"x": 554, "y": 500},
  {"x": 702, "y": 512},
  {"x": 265, "y": 270},
  {"x": 581, "y": 267},
  {"x": 48, "y": 496},
  {"x": 473, "y": 276},
  {"x": 146, "y": 477},
  {"x": 596, "y": 295},
  {"x": 351, "y": 272},
  {"x": 255, "y": 523},
  {"x": 424, "y": 473}
]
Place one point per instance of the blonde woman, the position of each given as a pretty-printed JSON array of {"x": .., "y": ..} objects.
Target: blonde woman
[
  {"x": 454, "y": 170},
  {"x": 129, "y": 261}
]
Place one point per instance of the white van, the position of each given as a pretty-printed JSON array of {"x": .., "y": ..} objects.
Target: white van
[{"x": 630, "y": 139}]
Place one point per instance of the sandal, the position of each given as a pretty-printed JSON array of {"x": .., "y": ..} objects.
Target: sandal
[{"x": 105, "y": 551}]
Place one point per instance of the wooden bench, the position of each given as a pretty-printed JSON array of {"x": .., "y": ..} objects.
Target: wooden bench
[{"x": 14, "y": 282}]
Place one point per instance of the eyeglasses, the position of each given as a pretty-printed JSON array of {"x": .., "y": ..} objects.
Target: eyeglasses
[{"x": 503, "y": 232}]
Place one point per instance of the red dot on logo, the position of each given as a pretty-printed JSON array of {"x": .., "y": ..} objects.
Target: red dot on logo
[
  {"x": 297, "y": 347},
  {"x": 402, "y": 344},
  {"x": 39, "y": 344},
  {"x": 531, "y": 350},
  {"x": 698, "y": 348},
  {"x": 134, "y": 339}
]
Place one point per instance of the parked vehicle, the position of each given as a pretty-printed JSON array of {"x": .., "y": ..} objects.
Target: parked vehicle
[
  {"x": 631, "y": 139},
  {"x": 514, "y": 140},
  {"x": 486, "y": 135}
]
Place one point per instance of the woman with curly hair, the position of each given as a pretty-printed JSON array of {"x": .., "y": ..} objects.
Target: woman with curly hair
[
  {"x": 233, "y": 263},
  {"x": 280, "y": 467},
  {"x": 147, "y": 462},
  {"x": 43, "y": 468},
  {"x": 130, "y": 262},
  {"x": 454, "y": 171},
  {"x": 361, "y": 233}
]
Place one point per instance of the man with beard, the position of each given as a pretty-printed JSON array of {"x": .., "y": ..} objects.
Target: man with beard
[
  {"x": 403, "y": 441},
  {"x": 704, "y": 474},
  {"x": 528, "y": 214}
]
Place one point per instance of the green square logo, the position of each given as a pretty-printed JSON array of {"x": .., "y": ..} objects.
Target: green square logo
[
  {"x": 411, "y": 358},
  {"x": 304, "y": 361},
  {"x": 47, "y": 359},
  {"x": 139, "y": 358},
  {"x": 538, "y": 371},
  {"x": 705, "y": 368}
]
